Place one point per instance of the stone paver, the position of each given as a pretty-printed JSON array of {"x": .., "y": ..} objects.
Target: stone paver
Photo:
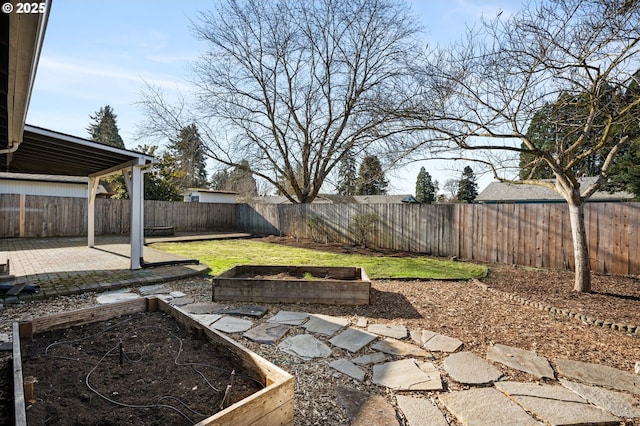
[
  {"x": 364, "y": 409},
  {"x": 305, "y": 346},
  {"x": 232, "y": 325},
  {"x": 206, "y": 319},
  {"x": 368, "y": 359},
  {"x": 148, "y": 290},
  {"x": 349, "y": 368},
  {"x": 289, "y": 318},
  {"x": 177, "y": 294},
  {"x": 352, "y": 339},
  {"x": 407, "y": 374},
  {"x": 116, "y": 297},
  {"x": 201, "y": 308},
  {"x": 435, "y": 342},
  {"x": 254, "y": 311},
  {"x": 600, "y": 375},
  {"x": 388, "y": 330},
  {"x": 485, "y": 407},
  {"x": 420, "y": 411},
  {"x": 556, "y": 404},
  {"x": 399, "y": 348},
  {"x": 521, "y": 359},
  {"x": 181, "y": 301},
  {"x": 267, "y": 333},
  {"x": 325, "y": 324},
  {"x": 469, "y": 369},
  {"x": 617, "y": 403}
]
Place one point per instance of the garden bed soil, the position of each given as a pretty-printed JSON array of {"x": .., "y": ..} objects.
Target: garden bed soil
[{"x": 163, "y": 375}]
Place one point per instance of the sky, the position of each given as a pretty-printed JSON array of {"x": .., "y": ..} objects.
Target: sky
[{"x": 103, "y": 52}]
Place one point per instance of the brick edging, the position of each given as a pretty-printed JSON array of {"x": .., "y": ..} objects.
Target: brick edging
[{"x": 585, "y": 319}]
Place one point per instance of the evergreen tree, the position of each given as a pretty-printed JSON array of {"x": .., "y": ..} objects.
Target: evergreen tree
[
  {"x": 468, "y": 188},
  {"x": 426, "y": 188},
  {"x": 189, "y": 152},
  {"x": 161, "y": 183},
  {"x": 219, "y": 180},
  {"x": 371, "y": 180},
  {"x": 104, "y": 128},
  {"x": 347, "y": 176}
]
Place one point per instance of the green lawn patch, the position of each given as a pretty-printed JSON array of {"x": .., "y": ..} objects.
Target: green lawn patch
[{"x": 220, "y": 255}]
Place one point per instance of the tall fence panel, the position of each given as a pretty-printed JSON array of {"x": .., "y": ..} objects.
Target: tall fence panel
[{"x": 537, "y": 235}]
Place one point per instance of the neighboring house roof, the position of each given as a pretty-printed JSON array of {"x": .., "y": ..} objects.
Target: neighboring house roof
[
  {"x": 337, "y": 199},
  {"x": 498, "y": 192},
  {"x": 208, "y": 191}
]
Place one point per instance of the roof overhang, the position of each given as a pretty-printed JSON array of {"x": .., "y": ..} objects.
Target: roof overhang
[
  {"x": 21, "y": 41},
  {"x": 44, "y": 151}
]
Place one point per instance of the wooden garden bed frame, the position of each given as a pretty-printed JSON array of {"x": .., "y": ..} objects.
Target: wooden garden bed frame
[
  {"x": 272, "y": 405},
  {"x": 330, "y": 286}
]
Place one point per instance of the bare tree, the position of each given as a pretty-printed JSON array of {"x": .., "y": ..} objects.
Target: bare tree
[
  {"x": 293, "y": 86},
  {"x": 480, "y": 96}
]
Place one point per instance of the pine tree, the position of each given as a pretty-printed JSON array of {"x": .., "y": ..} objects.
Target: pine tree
[
  {"x": 426, "y": 188},
  {"x": 347, "y": 176},
  {"x": 104, "y": 128},
  {"x": 468, "y": 188},
  {"x": 371, "y": 180},
  {"x": 189, "y": 153},
  {"x": 241, "y": 180}
]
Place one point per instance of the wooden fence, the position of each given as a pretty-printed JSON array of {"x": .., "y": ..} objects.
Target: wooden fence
[{"x": 537, "y": 235}]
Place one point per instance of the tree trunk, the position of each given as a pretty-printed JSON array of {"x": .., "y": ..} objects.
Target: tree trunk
[{"x": 582, "y": 278}]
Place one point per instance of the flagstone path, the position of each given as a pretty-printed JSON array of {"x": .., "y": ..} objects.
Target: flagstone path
[{"x": 569, "y": 393}]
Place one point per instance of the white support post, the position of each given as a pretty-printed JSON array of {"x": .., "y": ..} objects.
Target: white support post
[
  {"x": 137, "y": 229},
  {"x": 91, "y": 210}
]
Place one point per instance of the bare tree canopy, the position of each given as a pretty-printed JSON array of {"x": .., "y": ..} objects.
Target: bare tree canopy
[
  {"x": 482, "y": 94},
  {"x": 292, "y": 86}
]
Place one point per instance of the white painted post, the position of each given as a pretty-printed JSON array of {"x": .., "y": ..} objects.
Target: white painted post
[{"x": 136, "y": 196}]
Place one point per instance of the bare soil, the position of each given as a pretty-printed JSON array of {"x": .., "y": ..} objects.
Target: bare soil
[
  {"x": 138, "y": 369},
  {"x": 463, "y": 309}
]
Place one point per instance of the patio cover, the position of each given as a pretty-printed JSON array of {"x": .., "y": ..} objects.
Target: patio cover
[{"x": 30, "y": 149}]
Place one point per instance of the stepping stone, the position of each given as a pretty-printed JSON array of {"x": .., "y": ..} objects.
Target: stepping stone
[
  {"x": 289, "y": 318},
  {"x": 181, "y": 301},
  {"x": 600, "y": 375},
  {"x": 556, "y": 405},
  {"x": 305, "y": 346},
  {"x": 420, "y": 411},
  {"x": 232, "y": 325},
  {"x": 435, "y": 342},
  {"x": 407, "y": 374},
  {"x": 395, "y": 331},
  {"x": 441, "y": 343},
  {"x": 398, "y": 348},
  {"x": 148, "y": 290},
  {"x": 177, "y": 294},
  {"x": 267, "y": 333},
  {"x": 469, "y": 369},
  {"x": 362, "y": 322},
  {"x": 254, "y": 311},
  {"x": 116, "y": 297},
  {"x": 368, "y": 359},
  {"x": 520, "y": 359},
  {"x": 485, "y": 407},
  {"x": 349, "y": 368},
  {"x": 201, "y": 308},
  {"x": 352, "y": 339},
  {"x": 364, "y": 409},
  {"x": 206, "y": 319},
  {"x": 617, "y": 403},
  {"x": 325, "y": 324}
]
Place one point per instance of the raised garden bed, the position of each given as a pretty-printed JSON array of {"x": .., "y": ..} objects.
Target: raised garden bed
[
  {"x": 159, "y": 231},
  {"x": 129, "y": 383},
  {"x": 293, "y": 284}
]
